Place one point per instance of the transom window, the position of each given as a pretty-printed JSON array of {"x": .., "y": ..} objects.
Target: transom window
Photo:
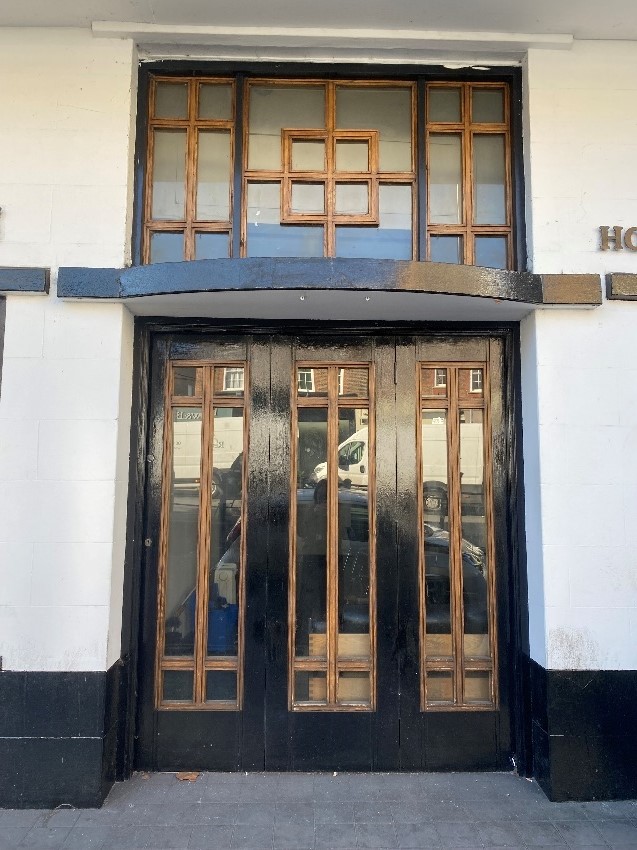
[{"x": 311, "y": 168}]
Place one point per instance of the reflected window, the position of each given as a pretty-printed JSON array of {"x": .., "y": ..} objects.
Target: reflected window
[{"x": 233, "y": 379}]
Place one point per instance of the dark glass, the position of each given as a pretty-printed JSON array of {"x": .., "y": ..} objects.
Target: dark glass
[
  {"x": 445, "y": 249},
  {"x": 353, "y": 687},
  {"x": 186, "y": 381},
  {"x": 310, "y": 686},
  {"x": 166, "y": 247},
  {"x": 311, "y": 532},
  {"x": 443, "y": 105},
  {"x": 171, "y": 100},
  {"x": 211, "y": 246},
  {"x": 178, "y": 686},
  {"x": 183, "y": 525},
  {"x": 491, "y": 252},
  {"x": 221, "y": 685}
]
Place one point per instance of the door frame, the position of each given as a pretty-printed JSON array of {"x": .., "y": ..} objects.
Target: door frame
[{"x": 124, "y": 676}]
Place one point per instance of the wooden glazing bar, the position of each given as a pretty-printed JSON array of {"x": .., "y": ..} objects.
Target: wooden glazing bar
[
  {"x": 455, "y": 532},
  {"x": 292, "y": 535},
  {"x": 332, "y": 532}
]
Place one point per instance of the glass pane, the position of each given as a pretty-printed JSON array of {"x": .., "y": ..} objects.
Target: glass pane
[
  {"x": 267, "y": 237},
  {"x": 391, "y": 240},
  {"x": 353, "y": 383},
  {"x": 439, "y": 686},
  {"x": 477, "y": 686},
  {"x": 211, "y": 246},
  {"x": 311, "y": 532},
  {"x": 213, "y": 175},
  {"x": 487, "y": 106},
  {"x": 352, "y": 199},
  {"x": 489, "y": 180},
  {"x": 470, "y": 384},
  {"x": 436, "y": 533},
  {"x": 169, "y": 175},
  {"x": 171, "y": 100},
  {"x": 310, "y": 687},
  {"x": 225, "y": 531},
  {"x": 308, "y": 156},
  {"x": 311, "y": 382},
  {"x": 308, "y": 198},
  {"x": 273, "y": 108},
  {"x": 353, "y": 686},
  {"x": 215, "y": 102},
  {"x": 445, "y": 178},
  {"x": 491, "y": 251},
  {"x": 230, "y": 381},
  {"x": 443, "y": 104},
  {"x": 186, "y": 381},
  {"x": 178, "y": 685},
  {"x": 474, "y": 533},
  {"x": 166, "y": 247},
  {"x": 434, "y": 382},
  {"x": 183, "y": 522},
  {"x": 221, "y": 685},
  {"x": 353, "y": 533},
  {"x": 387, "y": 110},
  {"x": 445, "y": 249},
  {"x": 352, "y": 155}
]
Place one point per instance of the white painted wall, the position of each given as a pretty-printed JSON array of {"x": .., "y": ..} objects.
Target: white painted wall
[
  {"x": 579, "y": 368},
  {"x": 66, "y": 107}
]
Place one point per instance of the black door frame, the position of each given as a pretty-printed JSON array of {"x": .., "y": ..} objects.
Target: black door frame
[{"x": 125, "y": 675}]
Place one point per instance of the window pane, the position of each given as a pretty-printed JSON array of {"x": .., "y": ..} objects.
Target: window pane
[
  {"x": 384, "y": 109},
  {"x": 308, "y": 198},
  {"x": 183, "y": 524},
  {"x": 215, "y": 102},
  {"x": 445, "y": 249},
  {"x": 487, "y": 106},
  {"x": 439, "y": 686},
  {"x": 267, "y": 237},
  {"x": 491, "y": 251},
  {"x": 213, "y": 176},
  {"x": 178, "y": 685},
  {"x": 221, "y": 685},
  {"x": 229, "y": 381},
  {"x": 171, "y": 100},
  {"x": 166, "y": 247},
  {"x": 489, "y": 180},
  {"x": 308, "y": 156},
  {"x": 443, "y": 105},
  {"x": 273, "y": 108},
  {"x": 391, "y": 239},
  {"x": 352, "y": 155},
  {"x": 434, "y": 382},
  {"x": 312, "y": 382},
  {"x": 353, "y": 687},
  {"x": 310, "y": 687},
  {"x": 445, "y": 178},
  {"x": 311, "y": 532},
  {"x": 211, "y": 246},
  {"x": 477, "y": 686},
  {"x": 470, "y": 384},
  {"x": 186, "y": 381},
  {"x": 169, "y": 174},
  {"x": 353, "y": 383},
  {"x": 352, "y": 199}
]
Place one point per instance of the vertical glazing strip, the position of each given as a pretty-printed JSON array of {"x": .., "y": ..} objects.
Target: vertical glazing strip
[
  {"x": 371, "y": 513},
  {"x": 455, "y": 535},
  {"x": 244, "y": 531},
  {"x": 294, "y": 428},
  {"x": 236, "y": 165},
  {"x": 488, "y": 477},
  {"x": 332, "y": 531}
]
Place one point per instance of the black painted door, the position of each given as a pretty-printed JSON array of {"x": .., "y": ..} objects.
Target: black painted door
[{"x": 400, "y": 727}]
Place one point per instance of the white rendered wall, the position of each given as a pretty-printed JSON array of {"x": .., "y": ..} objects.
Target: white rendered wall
[
  {"x": 579, "y": 368},
  {"x": 66, "y": 142}
]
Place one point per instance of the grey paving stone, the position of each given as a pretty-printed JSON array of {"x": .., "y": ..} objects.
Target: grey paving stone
[
  {"x": 86, "y": 837},
  {"x": 375, "y": 835},
  {"x": 122, "y": 838},
  {"x": 256, "y": 813},
  {"x": 163, "y": 837},
  {"x": 417, "y": 835},
  {"x": 293, "y": 836},
  {"x": 540, "y": 834},
  {"x": 45, "y": 837},
  {"x": 411, "y": 811},
  {"x": 618, "y": 833},
  {"x": 295, "y": 811},
  {"x": 210, "y": 837},
  {"x": 580, "y": 833},
  {"x": 249, "y": 837},
  {"x": 334, "y": 812},
  {"x": 21, "y": 817},
  {"x": 621, "y": 809},
  {"x": 446, "y": 810},
  {"x": 61, "y": 817},
  {"x": 457, "y": 834},
  {"x": 486, "y": 812},
  {"x": 335, "y": 836},
  {"x": 502, "y": 834},
  {"x": 11, "y": 836},
  {"x": 373, "y": 813}
]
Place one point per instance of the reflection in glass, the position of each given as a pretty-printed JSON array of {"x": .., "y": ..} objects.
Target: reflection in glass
[
  {"x": 311, "y": 382},
  {"x": 229, "y": 381},
  {"x": 352, "y": 155},
  {"x": 477, "y": 686},
  {"x": 311, "y": 532},
  {"x": 443, "y": 105},
  {"x": 491, "y": 251},
  {"x": 273, "y": 108},
  {"x": 489, "y": 169},
  {"x": 434, "y": 382},
  {"x": 221, "y": 685},
  {"x": 307, "y": 198},
  {"x": 487, "y": 106},
  {"x": 225, "y": 531},
  {"x": 470, "y": 384},
  {"x": 445, "y": 178},
  {"x": 445, "y": 249},
  {"x": 166, "y": 247},
  {"x": 474, "y": 533},
  {"x": 351, "y": 199},
  {"x": 308, "y": 155},
  {"x": 215, "y": 102},
  {"x": 211, "y": 246},
  {"x": 169, "y": 175},
  {"x": 183, "y": 522},
  {"x": 267, "y": 237},
  {"x": 387, "y": 110},
  {"x": 171, "y": 100},
  {"x": 391, "y": 240},
  {"x": 353, "y": 686},
  {"x": 178, "y": 685},
  {"x": 310, "y": 686},
  {"x": 353, "y": 382},
  {"x": 213, "y": 175},
  {"x": 439, "y": 686},
  {"x": 186, "y": 381}
]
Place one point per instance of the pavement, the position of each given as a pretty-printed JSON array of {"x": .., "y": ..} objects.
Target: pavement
[{"x": 285, "y": 811}]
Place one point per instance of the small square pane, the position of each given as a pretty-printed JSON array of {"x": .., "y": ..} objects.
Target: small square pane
[
  {"x": 445, "y": 249},
  {"x": 267, "y": 237},
  {"x": 308, "y": 155},
  {"x": 477, "y": 686},
  {"x": 439, "y": 686},
  {"x": 470, "y": 383},
  {"x": 352, "y": 155},
  {"x": 211, "y": 246},
  {"x": 354, "y": 687},
  {"x": 311, "y": 382},
  {"x": 178, "y": 685},
  {"x": 229, "y": 381},
  {"x": 444, "y": 105},
  {"x": 491, "y": 252},
  {"x": 434, "y": 382},
  {"x": 391, "y": 240},
  {"x": 487, "y": 106},
  {"x": 308, "y": 198},
  {"x": 186, "y": 381},
  {"x": 166, "y": 247},
  {"x": 353, "y": 383},
  {"x": 310, "y": 686},
  {"x": 221, "y": 685},
  {"x": 352, "y": 199},
  {"x": 171, "y": 100},
  {"x": 215, "y": 102}
]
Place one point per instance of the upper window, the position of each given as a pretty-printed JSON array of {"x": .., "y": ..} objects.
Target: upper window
[{"x": 328, "y": 169}]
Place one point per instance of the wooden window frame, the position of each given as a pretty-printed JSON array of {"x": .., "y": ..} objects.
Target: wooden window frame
[
  {"x": 200, "y": 663},
  {"x": 459, "y": 664},
  {"x": 467, "y": 129},
  {"x": 332, "y": 665}
]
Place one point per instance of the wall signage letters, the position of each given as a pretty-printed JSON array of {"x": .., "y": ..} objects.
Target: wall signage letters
[{"x": 616, "y": 238}]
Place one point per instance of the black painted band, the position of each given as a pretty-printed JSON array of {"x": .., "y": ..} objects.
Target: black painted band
[{"x": 24, "y": 279}]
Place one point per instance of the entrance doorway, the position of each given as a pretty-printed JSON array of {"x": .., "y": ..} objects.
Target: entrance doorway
[{"x": 326, "y": 580}]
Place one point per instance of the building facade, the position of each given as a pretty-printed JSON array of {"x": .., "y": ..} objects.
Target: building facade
[{"x": 317, "y": 397}]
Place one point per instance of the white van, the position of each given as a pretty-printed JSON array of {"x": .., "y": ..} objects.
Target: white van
[{"x": 353, "y": 461}]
